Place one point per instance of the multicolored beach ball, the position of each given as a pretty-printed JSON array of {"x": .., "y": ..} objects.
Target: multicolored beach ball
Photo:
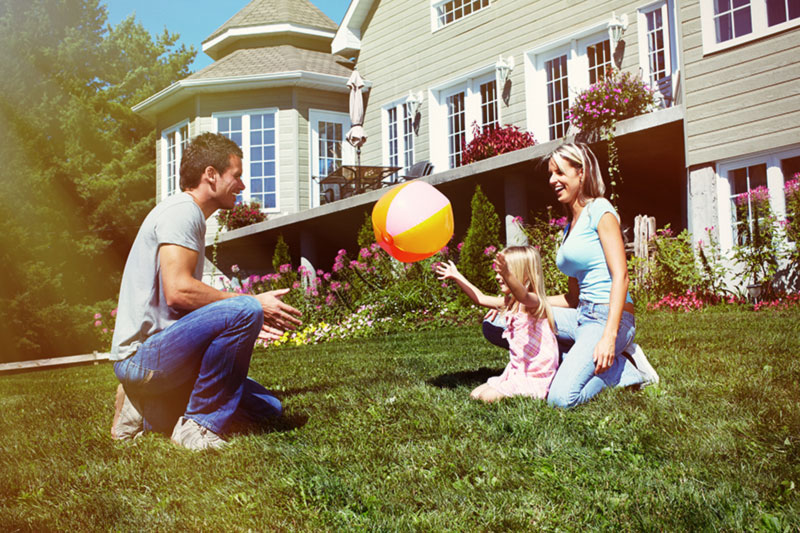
[{"x": 412, "y": 221}]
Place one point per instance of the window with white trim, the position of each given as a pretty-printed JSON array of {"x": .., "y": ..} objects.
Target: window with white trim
[
  {"x": 398, "y": 123},
  {"x": 560, "y": 72},
  {"x": 175, "y": 140},
  {"x": 655, "y": 56},
  {"x": 444, "y": 12},
  {"x": 454, "y": 111},
  {"x": 329, "y": 149},
  {"x": 256, "y": 134},
  {"x": 727, "y": 23},
  {"x": 744, "y": 181}
]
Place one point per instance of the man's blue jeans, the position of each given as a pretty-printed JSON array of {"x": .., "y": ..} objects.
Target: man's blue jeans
[
  {"x": 579, "y": 331},
  {"x": 197, "y": 368}
]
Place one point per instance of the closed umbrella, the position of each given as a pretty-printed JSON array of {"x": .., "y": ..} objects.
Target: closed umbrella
[{"x": 356, "y": 135}]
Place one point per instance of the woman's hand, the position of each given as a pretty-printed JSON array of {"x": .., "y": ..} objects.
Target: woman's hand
[
  {"x": 447, "y": 271},
  {"x": 604, "y": 354}
]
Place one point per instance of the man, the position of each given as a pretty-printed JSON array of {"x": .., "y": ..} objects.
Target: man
[{"x": 182, "y": 348}]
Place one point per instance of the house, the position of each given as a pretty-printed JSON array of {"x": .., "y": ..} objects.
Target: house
[{"x": 727, "y": 74}]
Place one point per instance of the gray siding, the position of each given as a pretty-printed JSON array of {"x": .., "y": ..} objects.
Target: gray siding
[
  {"x": 399, "y": 52},
  {"x": 741, "y": 100}
]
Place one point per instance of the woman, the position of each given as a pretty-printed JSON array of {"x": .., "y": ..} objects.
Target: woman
[{"x": 594, "y": 319}]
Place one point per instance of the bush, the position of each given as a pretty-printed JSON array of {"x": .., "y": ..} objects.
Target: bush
[
  {"x": 545, "y": 233},
  {"x": 792, "y": 224},
  {"x": 619, "y": 95},
  {"x": 671, "y": 268},
  {"x": 480, "y": 244},
  {"x": 281, "y": 255},
  {"x": 493, "y": 141},
  {"x": 757, "y": 240},
  {"x": 241, "y": 215}
]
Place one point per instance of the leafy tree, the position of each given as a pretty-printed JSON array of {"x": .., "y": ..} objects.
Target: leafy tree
[
  {"x": 475, "y": 259},
  {"x": 366, "y": 234},
  {"x": 79, "y": 163}
]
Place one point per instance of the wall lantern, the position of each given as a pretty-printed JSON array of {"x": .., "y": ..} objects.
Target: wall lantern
[
  {"x": 413, "y": 102},
  {"x": 502, "y": 69},
  {"x": 616, "y": 27}
]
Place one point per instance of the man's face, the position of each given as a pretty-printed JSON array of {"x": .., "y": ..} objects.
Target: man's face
[{"x": 229, "y": 183}]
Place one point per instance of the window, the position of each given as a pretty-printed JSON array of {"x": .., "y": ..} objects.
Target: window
[
  {"x": 556, "y": 73},
  {"x": 655, "y": 43},
  {"x": 728, "y": 23},
  {"x": 456, "y": 128},
  {"x": 329, "y": 149},
  {"x": 455, "y": 108},
  {"x": 175, "y": 139},
  {"x": 599, "y": 60},
  {"x": 557, "y": 96},
  {"x": 399, "y": 127},
  {"x": 779, "y": 11},
  {"x": 256, "y": 134},
  {"x": 743, "y": 181},
  {"x": 447, "y": 12}
]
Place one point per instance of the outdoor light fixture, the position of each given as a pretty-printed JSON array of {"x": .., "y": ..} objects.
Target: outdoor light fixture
[
  {"x": 616, "y": 27},
  {"x": 502, "y": 69},
  {"x": 414, "y": 101}
]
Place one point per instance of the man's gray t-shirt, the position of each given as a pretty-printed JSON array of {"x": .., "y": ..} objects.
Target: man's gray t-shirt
[{"x": 143, "y": 310}]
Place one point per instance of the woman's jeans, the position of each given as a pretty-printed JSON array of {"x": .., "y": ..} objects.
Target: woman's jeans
[
  {"x": 197, "y": 368},
  {"x": 579, "y": 331}
]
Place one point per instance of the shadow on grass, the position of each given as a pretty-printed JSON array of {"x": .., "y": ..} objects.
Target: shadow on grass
[
  {"x": 285, "y": 422},
  {"x": 466, "y": 377}
]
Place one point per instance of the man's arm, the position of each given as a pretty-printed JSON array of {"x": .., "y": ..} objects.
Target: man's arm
[{"x": 183, "y": 291}]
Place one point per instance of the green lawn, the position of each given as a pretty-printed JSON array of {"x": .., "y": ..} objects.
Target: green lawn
[{"x": 380, "y": 435}]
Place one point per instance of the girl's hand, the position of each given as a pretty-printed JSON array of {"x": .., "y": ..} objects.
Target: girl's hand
[
  {"x": 446, "y": 270},
  {"x": 603, "y": 355},
  {"x": 491, "y": 315},
  {"x": 499, "y": 265}
]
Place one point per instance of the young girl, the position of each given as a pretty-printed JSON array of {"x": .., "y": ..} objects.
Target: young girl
[{"x": 529, "y": 324}]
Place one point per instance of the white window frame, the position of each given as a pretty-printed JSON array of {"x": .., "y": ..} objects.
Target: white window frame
[
  {"x": 405, "y": 144},
  {"x": 470, "y": 85},
  {"x": 348, "y": 152},
  {"x": 575, "y": 48},
  {"x": 775, "y": 184},
  {"x": 667, "y": 8},
  {"x": 245, "y": 114},
  {"x": 436, "y": 4},
  {"x": 758, "y": 13},
  {"x": 173, "y": 132}
]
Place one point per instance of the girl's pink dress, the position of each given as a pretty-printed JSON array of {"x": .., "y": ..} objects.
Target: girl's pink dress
[{"x": 534, "y": 357}]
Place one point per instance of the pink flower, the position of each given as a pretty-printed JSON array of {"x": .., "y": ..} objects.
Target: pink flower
[
  {"x": 105, "y": 330},
  {"x": 97, "y": 323},
  {"x": 283, "y": 269},
  {"x": 114, "y": 312},
  {"x": 489, "y": 250},
  {"x": 460, "y": 246},
  {"x": 296, "y": 285},
  {"x": 235, "y": 269},
  {"x": 97, "y": 315}
]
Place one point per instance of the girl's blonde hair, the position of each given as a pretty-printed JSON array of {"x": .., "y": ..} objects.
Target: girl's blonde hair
[
  {"x": 580, "y": 156},
  {"x": 525, "y": 264}
]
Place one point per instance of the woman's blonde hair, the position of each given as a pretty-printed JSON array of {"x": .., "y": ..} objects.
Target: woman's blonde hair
[
  {"x": 525, "y": 264},
  {"x": 580, "y": 156}
]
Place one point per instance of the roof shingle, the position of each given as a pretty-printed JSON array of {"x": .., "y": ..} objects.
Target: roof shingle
[
  {"x": 272, "y": 59},
  {"x": 263, "y": 12}
]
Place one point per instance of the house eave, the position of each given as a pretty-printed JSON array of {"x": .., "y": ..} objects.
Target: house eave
[
  {"x": 347, "y": 41},
  {"x": 215, "y": 46},
  {"x": 183, "y": 89}
]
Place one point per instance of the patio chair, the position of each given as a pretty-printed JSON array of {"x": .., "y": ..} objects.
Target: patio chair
[
  {"x": 664, "y": 91},
  {"x": 419, "y": 169}
]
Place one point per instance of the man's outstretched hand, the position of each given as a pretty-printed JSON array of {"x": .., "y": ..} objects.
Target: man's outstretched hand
[{"x": 278, "y": 316}]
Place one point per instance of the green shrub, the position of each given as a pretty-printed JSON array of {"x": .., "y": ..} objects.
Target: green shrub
[
  {"x": 756, "y": 246},
  {"x": 670, "y": 269},
  {"x": 480, "y": 244},
  {"x": 366, "y": 235},
  {"x": 281, "y": 256},
  {"x": 545, "y": 233}
]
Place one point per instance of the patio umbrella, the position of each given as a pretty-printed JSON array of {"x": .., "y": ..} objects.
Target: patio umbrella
[{"x": 356, "y": 135}]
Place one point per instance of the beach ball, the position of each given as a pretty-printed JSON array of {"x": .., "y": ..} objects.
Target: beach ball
[{"x": 412, "y": 221}]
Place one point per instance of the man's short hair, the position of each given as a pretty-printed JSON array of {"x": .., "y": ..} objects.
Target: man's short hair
[{"x": 207, "y": 149}]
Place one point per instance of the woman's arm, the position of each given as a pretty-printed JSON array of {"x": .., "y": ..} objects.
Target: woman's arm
[
  {"x": 570, "y": 299},
  {"x": 449, "y": 271},
  {"x": 610, "y": 235}
]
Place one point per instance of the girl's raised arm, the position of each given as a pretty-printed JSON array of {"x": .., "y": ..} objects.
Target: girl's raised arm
[{"x": 449, "y": 271}]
